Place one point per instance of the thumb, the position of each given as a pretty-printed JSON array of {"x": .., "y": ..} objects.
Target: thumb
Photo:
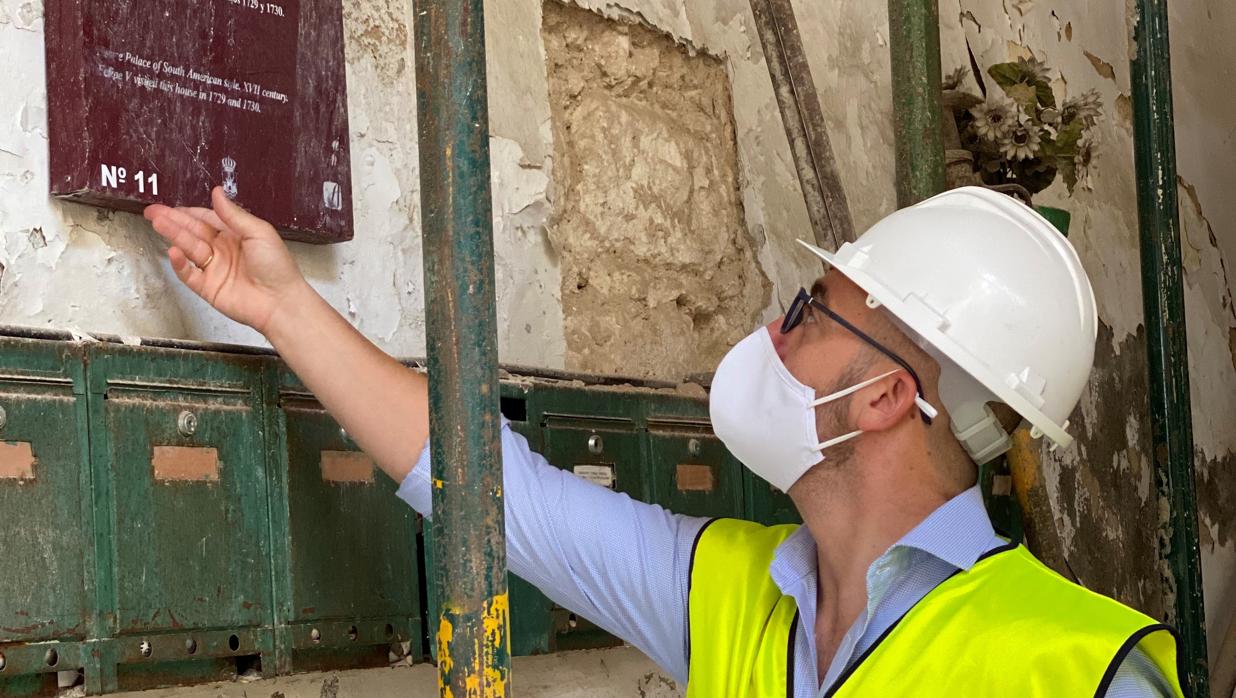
[{"x": 238, "y": 219}]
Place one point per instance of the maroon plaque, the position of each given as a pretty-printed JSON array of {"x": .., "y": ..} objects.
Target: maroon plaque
[{"x": 161, "y": 101}]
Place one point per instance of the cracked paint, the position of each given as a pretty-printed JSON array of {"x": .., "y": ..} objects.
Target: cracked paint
[{"x": 1101, "y": 489}]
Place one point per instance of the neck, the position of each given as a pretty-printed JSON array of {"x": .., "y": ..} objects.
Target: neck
[{"x": 855, "y": 511}]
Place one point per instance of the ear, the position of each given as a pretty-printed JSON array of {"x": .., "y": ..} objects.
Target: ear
[{"x": 886, "y": 403}]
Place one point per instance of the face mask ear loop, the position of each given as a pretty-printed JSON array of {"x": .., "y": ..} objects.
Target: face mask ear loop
[
  {"x": 852, "y": 389},
  {"x": 836, "y": 440},
  {"x": 923, "y": 405}
]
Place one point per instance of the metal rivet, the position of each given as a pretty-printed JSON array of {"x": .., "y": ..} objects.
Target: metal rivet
[
  {"x": 595, "y": 444},
  {"x": 4, "y": 418},
  {"x": 693, "y": 447},
  {"x": 315, "y": 635},
  {"x": 187, "y": 423},
  {"x": 146, "y": 648}
]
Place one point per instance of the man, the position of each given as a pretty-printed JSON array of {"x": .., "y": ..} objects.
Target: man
[{"x": 867, "y": 403}]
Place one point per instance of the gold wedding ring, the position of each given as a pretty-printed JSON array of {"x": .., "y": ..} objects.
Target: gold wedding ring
[{"x": 209, "y": 259}]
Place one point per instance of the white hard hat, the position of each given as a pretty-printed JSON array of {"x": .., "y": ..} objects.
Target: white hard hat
[{"x": 996, "y": 295}]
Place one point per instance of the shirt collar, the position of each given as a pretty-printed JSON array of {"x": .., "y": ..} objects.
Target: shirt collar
[{"x": 958, "y": 532}]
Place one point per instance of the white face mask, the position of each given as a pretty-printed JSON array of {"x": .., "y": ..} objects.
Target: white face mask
[{"x": 766, "y": 417}]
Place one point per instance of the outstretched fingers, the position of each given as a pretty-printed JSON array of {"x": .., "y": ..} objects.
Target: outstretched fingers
[
  {"x": 237, "y": 219},
  {"x": 189, "y": 274},
  {"x": 190, "y": 235},
  {"x": 206, "y": 216}
]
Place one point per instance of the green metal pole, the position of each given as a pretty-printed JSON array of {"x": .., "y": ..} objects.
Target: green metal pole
[
  {"x": 914, "y": 46},
  {"x": 460, "y": 325},
  {"x": 1167, "y": 347}
]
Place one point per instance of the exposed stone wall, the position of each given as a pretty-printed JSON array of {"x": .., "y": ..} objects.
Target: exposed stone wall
[{"x": 658, "y": 270}]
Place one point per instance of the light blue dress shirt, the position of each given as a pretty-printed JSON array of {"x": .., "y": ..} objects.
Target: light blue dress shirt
[{"x": 625, "y": 565}]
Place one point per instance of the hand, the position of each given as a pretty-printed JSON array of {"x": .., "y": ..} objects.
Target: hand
[{"x": 234, "y": 260}]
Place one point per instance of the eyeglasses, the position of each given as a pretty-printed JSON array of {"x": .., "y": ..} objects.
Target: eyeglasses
[{"x": 794, "y": 318}]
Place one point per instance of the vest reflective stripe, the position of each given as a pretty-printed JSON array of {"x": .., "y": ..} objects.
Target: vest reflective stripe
[{"x": 1007, "y": 627}]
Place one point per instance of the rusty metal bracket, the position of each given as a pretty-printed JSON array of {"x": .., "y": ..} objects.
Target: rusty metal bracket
[{"x": 804, "y": 122}]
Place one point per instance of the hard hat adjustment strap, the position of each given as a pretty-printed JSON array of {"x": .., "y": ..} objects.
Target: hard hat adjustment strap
[{"x": 982, "y": 435}]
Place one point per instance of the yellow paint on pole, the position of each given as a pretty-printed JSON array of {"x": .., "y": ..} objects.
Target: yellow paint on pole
[
  {"x": 446, "y": 633},
  {"x": 496, "y": 643}
]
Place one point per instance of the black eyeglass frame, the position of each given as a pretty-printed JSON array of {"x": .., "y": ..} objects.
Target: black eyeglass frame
[{"x": 794, "y": 317}]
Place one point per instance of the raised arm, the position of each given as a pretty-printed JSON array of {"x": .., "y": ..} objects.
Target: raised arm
[
  {"x": 238, "y": 263},
  {"x": 624, "y": 564}
]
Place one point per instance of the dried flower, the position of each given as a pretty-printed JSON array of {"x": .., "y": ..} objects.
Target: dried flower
[
  {"x": 1086, "y": 147},
  {"x": 953, "y": 80},
  {"x": 992, "y": 121},
  {"x": 1022, "y": 143},
  {"x": 1087, "y": 107},
  {"x": 1022, "y": 133},
  {"x": 1032, "y": 68}
]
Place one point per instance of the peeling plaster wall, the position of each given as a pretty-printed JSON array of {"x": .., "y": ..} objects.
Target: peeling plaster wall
[
  {"x": 72, "y": 266},
  {"x": 1103, "y": 489}
]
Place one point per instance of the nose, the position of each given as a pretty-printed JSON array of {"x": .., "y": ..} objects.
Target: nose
[{"x": 780, "y": 342}]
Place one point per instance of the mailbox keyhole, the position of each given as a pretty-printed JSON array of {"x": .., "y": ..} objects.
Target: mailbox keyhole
[
  {"x": 233, "y": 643},
  {"x": 191, "y": 646},
  {"x": 146, "y": 648},
  {"x": 3, "y": 661},
  {"x": 353, "y": 633},
  {"x": 315, "y": 635},
  {"x": 52, "y": 658},
  {"x": 390, "y": 631}
]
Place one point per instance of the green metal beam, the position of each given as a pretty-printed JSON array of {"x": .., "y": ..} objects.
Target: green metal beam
[
  {"x": 1167, "y": 346},
  {"x": 469, "y": 545},
  {"x": 914, "y": 46}
]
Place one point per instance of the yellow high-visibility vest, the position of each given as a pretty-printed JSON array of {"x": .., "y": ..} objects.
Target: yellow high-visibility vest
[{"x": 1008, "y": 626}]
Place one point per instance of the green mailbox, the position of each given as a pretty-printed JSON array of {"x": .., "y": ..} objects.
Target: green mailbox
[
  {"x": 46, "y": 529},
  {"x": 691, "y": 471},
  {"x": 180, "y": 479},
  {"x": 346, "y": 564},
  {"x": 765, "y": 503}
]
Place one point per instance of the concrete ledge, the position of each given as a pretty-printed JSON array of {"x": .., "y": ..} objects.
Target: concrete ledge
[{"x": 610, "y": 673}]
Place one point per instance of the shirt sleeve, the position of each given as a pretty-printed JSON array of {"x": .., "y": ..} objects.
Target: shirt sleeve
[
  {"x": 1139, "y": 677},
  {"x": 620, "y": 563}
]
